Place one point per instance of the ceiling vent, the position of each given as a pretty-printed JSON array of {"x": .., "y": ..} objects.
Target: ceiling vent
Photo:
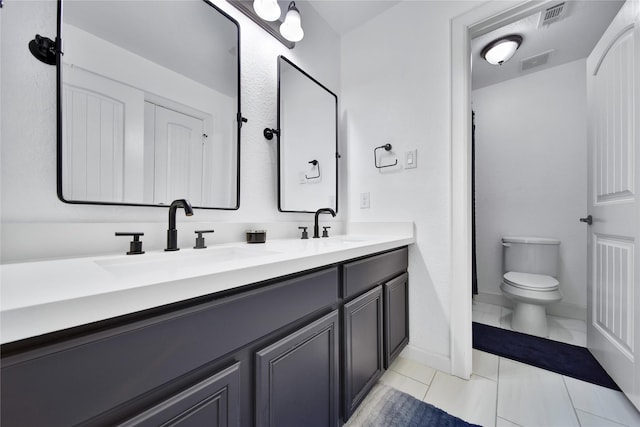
[
  {"x": 536, "y": 61},
  {"x": 552, "y": 14}
]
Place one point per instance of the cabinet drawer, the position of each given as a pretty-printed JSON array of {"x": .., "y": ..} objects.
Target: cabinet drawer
[
  {"x": 360, "y": 276},
  {"x": 70, "y": 382}
]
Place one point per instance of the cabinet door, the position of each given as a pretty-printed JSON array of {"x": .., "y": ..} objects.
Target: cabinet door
[
  {"x": 297, "y": 377},
  {"x": 396, "y": 319},
  {"x": 211, "y": 403},
  {"x": 363, "y": 347}
]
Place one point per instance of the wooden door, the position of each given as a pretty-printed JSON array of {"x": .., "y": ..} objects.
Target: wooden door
[{"x": 613, "y": 85}]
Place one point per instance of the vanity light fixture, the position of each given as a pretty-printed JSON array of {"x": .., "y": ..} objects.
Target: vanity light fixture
[
  {"x": 286, "y": 28},
  {"x": 291, "y": 28},
  {"x": 501, "y": 50},
  {"x": 269, "y": 10}
]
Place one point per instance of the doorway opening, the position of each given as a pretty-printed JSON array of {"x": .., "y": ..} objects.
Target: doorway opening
[
  {"x": 477, "y": 22},
  {"x": 530, "y": 152}
]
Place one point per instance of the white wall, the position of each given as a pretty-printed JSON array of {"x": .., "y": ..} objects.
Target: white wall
[
  {"x": 396, "y": 89},
  {"x": 531, "y": 172},
  {"x": 28, "y": 136}
]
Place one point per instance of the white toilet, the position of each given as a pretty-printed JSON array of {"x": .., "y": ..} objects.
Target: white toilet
[{"x": 530, "y": 271}]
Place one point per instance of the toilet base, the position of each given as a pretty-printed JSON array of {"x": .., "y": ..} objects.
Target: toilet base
[{"x": 530, "y": 319}]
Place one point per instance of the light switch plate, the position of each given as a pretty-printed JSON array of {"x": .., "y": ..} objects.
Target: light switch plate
[{"x": 411, "y": 159}]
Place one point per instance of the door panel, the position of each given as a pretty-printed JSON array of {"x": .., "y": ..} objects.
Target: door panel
[
  {"x": 178, "y": 156},
  {"x": 613, "y": 296},
  {"x": 297, "y": 377},
  {"x": 100, "y": 131},
  {"x": 396, "y": 317},
  {"x": 213, "y": 402},
  {"x": 363, "y": 336}
]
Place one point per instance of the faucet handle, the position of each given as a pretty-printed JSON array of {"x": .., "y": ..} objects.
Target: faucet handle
[
  {"x": 325, "y": 233},
  {"x": 200, "y": 239},
  {"x": 305, "y": 235},
  {"x": 135, "y": 246}
]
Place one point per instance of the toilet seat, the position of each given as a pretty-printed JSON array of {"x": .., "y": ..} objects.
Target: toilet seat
[{"x": 531, "y": 282}]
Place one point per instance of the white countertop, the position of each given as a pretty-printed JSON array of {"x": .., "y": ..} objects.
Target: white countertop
[{"x": 47, "y": 296}]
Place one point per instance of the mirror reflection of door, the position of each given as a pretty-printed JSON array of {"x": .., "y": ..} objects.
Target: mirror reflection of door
[
  {"x": 177, "y": 142},
  {"x": 100, "y": 117},
  {"x": 118, "y": 58}
]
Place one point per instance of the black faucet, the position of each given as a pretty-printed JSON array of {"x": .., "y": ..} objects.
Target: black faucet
[
  {"x": 316, "y": 229},
  {"x": 172, "y": 233}
]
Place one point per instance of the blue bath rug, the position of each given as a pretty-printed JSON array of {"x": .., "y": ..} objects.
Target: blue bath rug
[
  {"x": 387, "y": 407},
  {"x": 565, "y": 359}
]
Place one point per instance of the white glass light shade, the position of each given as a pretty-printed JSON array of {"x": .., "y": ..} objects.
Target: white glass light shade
[
  {"x": 269, "y": 10},
  {"x": 291, "y": 28},
  {"x": 501, "y": 50}
]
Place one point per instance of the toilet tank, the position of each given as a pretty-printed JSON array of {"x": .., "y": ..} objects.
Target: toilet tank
[{"x": 536, "y": 255}]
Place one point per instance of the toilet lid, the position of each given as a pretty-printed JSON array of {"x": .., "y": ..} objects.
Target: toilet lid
[{"x": 533, "y": 282}]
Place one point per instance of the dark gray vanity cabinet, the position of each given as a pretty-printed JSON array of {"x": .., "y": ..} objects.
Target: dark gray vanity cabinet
[
  {"x": 297, "y": 382},
  {"x": 300, "y": 350},
  {"x": 213, "y": 402},
  {"x": 396, "y": 319},
  {"x": 108, "y": 373},
  {"x": 375, "y": 321},
  {"x": 363, "y": 347}
]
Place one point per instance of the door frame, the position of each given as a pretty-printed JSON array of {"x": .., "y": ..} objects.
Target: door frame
[{"x": 480, "y": 20}]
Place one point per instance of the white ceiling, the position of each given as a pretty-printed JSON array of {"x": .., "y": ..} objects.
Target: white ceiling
[
  {"x": 345, "y": 15},
  {"x": 571, "y": 38}
]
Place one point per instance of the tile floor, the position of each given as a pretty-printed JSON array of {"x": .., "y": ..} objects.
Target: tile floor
[
  {"x": 504, "y": 393},
  {"x": 570, "y": 331}
]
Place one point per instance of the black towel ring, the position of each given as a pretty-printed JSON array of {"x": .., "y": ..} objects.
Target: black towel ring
[
  {"x": 387, "y": 147},
  {"x": 314, "y": 163}
]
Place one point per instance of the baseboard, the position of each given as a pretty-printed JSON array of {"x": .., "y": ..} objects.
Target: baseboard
[
  {"x": 560, "y": 309},
  {"x": 570, "y": 311},
  {"x": 437, "y": 361},
  {"x": 494, "y": 299}
]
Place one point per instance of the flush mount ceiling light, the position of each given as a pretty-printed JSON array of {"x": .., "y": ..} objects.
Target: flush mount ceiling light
[
  {"x": 501, "y": 50},
  {"x": 269, "y": 10},
  {"x": 291, "y": 28}
]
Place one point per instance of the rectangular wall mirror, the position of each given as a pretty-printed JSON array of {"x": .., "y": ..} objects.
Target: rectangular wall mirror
[
  {"x": 307, "y": 142},
  {"x": 149, "y": 103}
]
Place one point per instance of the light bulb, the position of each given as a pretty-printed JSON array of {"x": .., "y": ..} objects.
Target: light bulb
[
  {"x": 269, "y": 10},
  {"x": 291, "y": 28}
]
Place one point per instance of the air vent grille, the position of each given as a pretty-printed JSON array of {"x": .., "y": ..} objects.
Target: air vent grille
[
  {"x": 536, "y": 61},
  {"x": 553, "y": 14}
]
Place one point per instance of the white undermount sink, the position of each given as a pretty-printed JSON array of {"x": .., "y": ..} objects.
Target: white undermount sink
[{"x": 179, "y": 260}]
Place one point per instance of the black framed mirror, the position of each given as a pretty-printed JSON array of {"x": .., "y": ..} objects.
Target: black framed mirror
[
  {"x": 307, "y": 141},
  {"x": 148, "y": 103}
]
